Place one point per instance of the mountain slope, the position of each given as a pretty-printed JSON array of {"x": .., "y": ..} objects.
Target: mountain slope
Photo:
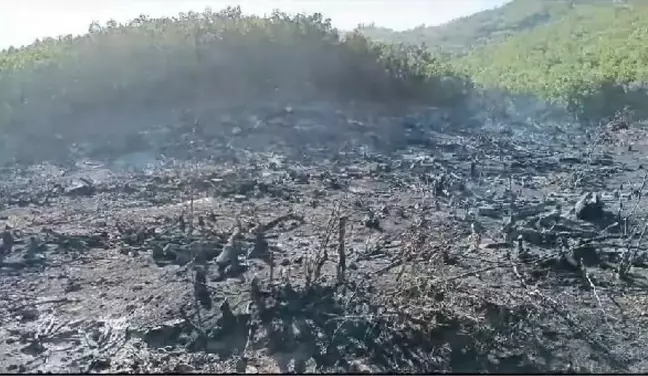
[
  {"x": 491, "y": 26},
  {"x": 588, "y": 54},
  {"x": 588, "y": 59}
]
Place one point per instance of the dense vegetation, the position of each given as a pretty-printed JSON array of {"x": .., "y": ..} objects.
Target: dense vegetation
[
  {"x": 172, "y": 62},
  {"x": 463, "y": 35},
  {"x": 590, "y": 60},
  {"x": 588, "y": 55}
]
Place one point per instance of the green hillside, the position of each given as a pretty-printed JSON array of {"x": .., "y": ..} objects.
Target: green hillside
[
  {"x": 591, "y": 55},
  {"x": 586, "y": 60},
  {"x": 491, "y": 26}
]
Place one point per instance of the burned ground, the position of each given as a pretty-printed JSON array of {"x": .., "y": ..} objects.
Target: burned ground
[{"x": 322, "y": 239}]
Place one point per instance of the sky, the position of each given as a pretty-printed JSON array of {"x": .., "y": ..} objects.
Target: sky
[{"x": 23, "y": 21}]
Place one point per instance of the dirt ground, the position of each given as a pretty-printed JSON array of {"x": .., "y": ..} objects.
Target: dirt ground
[{"x": 318, "y": 239}]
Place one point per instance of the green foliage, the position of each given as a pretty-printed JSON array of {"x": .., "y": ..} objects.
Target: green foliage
[
  {"x": 224, "y": 55},
  {"x": 583, "y": 54},
  {"x": 584, "y": 61},
  {"x": 461, "y": 36}
]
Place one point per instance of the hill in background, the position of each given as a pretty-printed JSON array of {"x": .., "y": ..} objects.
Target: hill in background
[
  {"x": 463, "y": 35},
  {"x": 588, "y": 55}
]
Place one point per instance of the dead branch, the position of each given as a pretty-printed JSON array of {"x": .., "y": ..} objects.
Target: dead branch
[
  {"x": 341, "y": 266},
  {"x": 322, "y": 255},
  {"x": 630, "y": 253}
]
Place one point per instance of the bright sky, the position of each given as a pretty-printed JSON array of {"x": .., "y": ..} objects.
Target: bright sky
[{"x": 23, "y": 21}]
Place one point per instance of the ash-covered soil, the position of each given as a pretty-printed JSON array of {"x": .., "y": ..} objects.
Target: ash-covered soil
[{"x": 323, "y": 239}]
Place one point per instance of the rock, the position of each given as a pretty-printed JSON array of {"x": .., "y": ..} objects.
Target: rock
[
  {"x": 371, "y": 221},
  {"x": 182, "y": 257},
  {"x": 34, "y": 249},
  {"x": 101, "y": 364},
  {"x": 589, "y": 207},
  {"x": 586, "y": 254},
  {"x": 359, "y": 367},
  {"x": 158, "y": 252},
  {"x": 73, "y": 286},
  {"x": 161, "y": 335},
  {"x": 176, "y": 253},
  {"x": 227, "y": 255},
  {"x": 183, "y": 368},
  {"x": 33, "y": 348},
  {"x": 570, "y": 160},
  {"x": 568, "y": 261},
  {"x": 29, "y": 315},
  {"x": 79, "y": 187},
  {"x": 497, "y": 245},
  {"x": 251, "y": 370},
  {"x": 489, "y": 211},
  {"x": 531, "y": 236}
]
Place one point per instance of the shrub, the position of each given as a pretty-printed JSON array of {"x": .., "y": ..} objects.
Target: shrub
[{"x": 210, "y": 56}]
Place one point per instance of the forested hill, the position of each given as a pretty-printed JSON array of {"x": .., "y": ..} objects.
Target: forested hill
[
  {"x": 594, "y": 58},
  {"x": 589, "y": 54},
  {"x": 460, "y": 36}
]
